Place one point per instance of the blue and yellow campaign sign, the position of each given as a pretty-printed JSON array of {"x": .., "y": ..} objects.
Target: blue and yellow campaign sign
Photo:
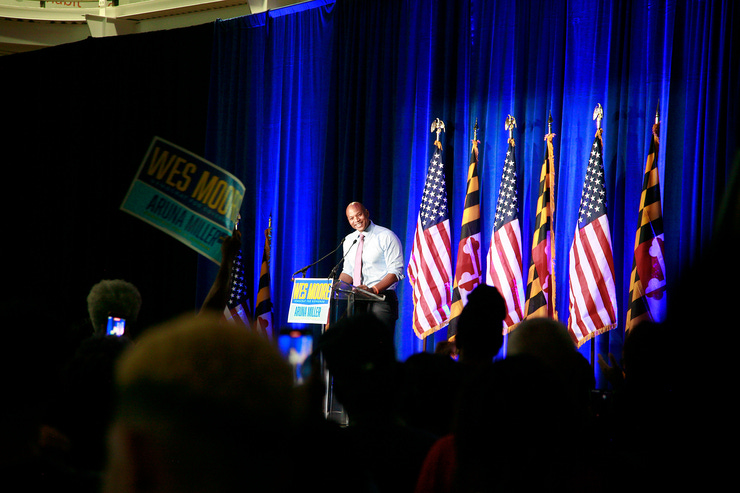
[
  {"x": 185, "y": 196},
  {"x": 310, "y": 301}
]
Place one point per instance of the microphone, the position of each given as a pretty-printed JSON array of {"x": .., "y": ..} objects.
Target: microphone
[
  {"x": 303, "y": 270},
  {"x": 333, "y": 272}
]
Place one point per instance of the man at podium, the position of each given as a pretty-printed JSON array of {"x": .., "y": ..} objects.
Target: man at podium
[{"x": 373, "y": 261}]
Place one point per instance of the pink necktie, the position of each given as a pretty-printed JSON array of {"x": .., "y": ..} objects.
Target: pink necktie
[{"x": 357, "y": 277}]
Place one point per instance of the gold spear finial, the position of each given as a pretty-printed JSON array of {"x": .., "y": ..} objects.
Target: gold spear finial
[
  {"x": 549, "y": 123},
  {"x": 475, "y": 130},
  {"x": 598, "y": 115},
  {"x": 268, "y": 237},
  {"x": 657, "y": 113}
]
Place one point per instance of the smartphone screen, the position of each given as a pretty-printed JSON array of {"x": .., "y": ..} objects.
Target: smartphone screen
[
  {"x": 116, "y": 326},
  {"x": 296, "y": 347}
]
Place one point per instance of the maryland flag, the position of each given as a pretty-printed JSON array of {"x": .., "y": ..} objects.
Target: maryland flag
[
  {"x": 648, "y": 280},
  {"x": 468, "y": 272},
  {"x": 540, "y": 293},
  {"x": 263, "y": 308}
]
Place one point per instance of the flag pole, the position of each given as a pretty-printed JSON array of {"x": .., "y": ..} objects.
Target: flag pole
[
  {"x": 268, "y": 237},
  {"x": 438, "y": 126},
  {"x": 509, "y": 125},
  {"x": 268, "y": 233},
  {"x": 598, "y": 115},
  {"x": 552, "y": 218}
]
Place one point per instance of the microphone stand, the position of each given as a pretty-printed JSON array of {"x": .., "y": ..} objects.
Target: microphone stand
[
  {"x": 329, "y": 400},
  {"x": 303, "y": 270}
]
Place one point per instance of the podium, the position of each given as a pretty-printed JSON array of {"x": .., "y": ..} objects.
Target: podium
[
  {"x": 345, "y": 292},
  {"x": 343, "y": 298}
]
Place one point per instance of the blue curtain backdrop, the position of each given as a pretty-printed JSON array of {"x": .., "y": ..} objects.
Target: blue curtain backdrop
[{"x": 328, "y": 102}]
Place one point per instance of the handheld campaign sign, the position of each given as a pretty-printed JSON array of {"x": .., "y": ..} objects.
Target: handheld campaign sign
[
  {"x": 185, "y": 196},
  {"x": 310, "y": 301}
]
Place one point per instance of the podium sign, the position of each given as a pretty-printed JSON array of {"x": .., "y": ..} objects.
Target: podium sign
[{"x": 310, "y": 301}]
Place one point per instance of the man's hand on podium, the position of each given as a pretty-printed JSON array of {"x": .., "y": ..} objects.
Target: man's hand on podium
[{"x": 372, "y": 289}]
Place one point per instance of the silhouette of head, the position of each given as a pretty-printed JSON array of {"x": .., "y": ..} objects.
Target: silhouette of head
[
  {"x": 360, "y": 355},
  {"x": 113, "y": 297},
  {"x": 201, "y": 406},
  {"x": 548, "y": 341},
  {"x": 480, "y": 327}
]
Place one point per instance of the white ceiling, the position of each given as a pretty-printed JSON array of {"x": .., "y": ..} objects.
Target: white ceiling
[{"x": 27, "y": 25}]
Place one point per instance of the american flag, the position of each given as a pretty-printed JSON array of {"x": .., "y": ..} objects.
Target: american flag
[
  {"x": 593, "y": 297},
  {"x": 505, "y": 253},
  {"x": 540, "y": 290},
  {"x": 263, "y": 308},
  {"x": 237, "y": 306},
  {"x": 468, "y": 272},
  {"x": 430, "y": 266},
  {"x": 648, "y": 279}
]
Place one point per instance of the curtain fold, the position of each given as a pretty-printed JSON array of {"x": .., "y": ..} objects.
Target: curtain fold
[
  {"x": 268, "y": 125},
  {"x": 333, "y": 102}
]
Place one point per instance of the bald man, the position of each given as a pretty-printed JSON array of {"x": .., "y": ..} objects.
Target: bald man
[{"x": 381, "y": 263}]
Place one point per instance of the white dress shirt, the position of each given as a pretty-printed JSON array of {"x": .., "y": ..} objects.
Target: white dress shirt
[{"x": 382, "y": 254}]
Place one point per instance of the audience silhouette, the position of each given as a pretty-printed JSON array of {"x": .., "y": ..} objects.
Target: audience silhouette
[
  {"x": 548, "y": 341},
  {"x": 479, "y": 334},
  {"x": 202, "y": 405},
  {"x": 34, "y": 453},
  {"x": 117, "y": 298},
  {"x": 478, "y": 339},
  {"x": 429, "y": 383},
  {"x": 85, "y": 406},
  {"x": 360, "y": 356},
  {"x": 514, "y": 428}
]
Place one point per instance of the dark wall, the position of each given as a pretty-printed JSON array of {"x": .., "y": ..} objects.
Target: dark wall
[{"x": 76, "y": 121}]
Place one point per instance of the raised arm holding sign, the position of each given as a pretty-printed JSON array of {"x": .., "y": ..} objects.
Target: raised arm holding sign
[
  {"x": 186, "y": 197},
  {"x": 218, "y": 295}
]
